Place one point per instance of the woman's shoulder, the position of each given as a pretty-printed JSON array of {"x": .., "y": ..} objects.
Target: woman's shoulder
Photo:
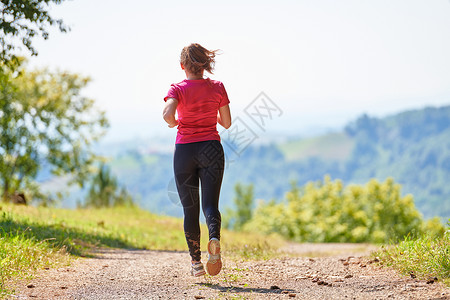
[
  {"x": 179, "y": 84},
  {"x": 215, "y": 82},
  {"x": 188, "y": 83}
]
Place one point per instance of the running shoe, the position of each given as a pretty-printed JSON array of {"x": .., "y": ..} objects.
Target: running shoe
[
  {"x": 197, "y": 269},
  {"x": 214, "y": 264}
]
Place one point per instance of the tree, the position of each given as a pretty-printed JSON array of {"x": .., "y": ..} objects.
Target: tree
[
  {"x": 21, "y": 21},
  {"x": 105, "y": 192},
  {"x": 243, "y": 202},
  {"x": 44, "y": 117}
]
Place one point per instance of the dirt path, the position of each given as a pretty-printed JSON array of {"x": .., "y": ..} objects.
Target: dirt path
[{"x": 337, "y": 271}]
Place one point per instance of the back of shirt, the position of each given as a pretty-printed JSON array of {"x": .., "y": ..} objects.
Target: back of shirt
[{"x": 198, "y": 104}]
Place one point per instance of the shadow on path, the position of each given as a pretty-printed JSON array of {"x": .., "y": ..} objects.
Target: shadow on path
[
  {"x": 59, "y": 235},
  {"x": 236, "y": 289}
]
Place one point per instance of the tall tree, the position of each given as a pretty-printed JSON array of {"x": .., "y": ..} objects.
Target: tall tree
[
  {"x": 43, "y": 116},
  {"x": 105, "y": 191},
  {"x": 243, "y": 202},
  {"x": 21, "y": 21}
]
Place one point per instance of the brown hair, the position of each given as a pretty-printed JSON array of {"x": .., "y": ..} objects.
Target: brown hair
[{"x": 196, "y": 58}]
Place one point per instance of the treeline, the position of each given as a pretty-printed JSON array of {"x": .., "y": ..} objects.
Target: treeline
[{"x": 328, "y": 211}]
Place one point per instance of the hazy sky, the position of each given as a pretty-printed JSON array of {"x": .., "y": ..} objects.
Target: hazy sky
[{"x": 324, "y": 62}]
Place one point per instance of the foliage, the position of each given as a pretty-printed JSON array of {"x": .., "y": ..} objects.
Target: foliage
[
  {"x": 426, "y": 257},
  {"x": 21, "y": 21},
  {"x": 329, "y": 212},
  {"x": 105, "y": 192},
  {"x": 43, "y": 116},
  {"x": 243, "y": 201}
]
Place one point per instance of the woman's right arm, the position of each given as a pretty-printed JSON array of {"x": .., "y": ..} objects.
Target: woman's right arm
[
  {"x": 224, "y": 116},
  {"x": 169, "y": 112}
]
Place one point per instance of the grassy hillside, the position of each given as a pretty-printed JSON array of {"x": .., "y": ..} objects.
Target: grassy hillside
[
  {"x": 130, "y": 164},
  {"x": 35, "y": 238},
  {"x": 332, "y": 146}
]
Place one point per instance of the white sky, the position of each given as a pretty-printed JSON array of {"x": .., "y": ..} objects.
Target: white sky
[{"x": 324, "y": 62}]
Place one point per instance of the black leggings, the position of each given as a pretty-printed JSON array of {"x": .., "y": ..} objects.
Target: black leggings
[{"x": 204, "y": 162}]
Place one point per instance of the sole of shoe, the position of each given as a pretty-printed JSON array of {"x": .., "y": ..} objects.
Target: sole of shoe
[
  {"x": 198, "y": 274},
  {"x": 214, "y": 264}
]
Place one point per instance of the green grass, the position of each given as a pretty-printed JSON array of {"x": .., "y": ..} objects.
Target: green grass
[
  {"x": 332, "y": 146},
  {"x": 34, "y": 238},
  {"x": 21, "y": 254},
  {"x": 425, "y": 257}
]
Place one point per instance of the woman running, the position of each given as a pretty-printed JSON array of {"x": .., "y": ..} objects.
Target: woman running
[{"x": 200, "y": 104}]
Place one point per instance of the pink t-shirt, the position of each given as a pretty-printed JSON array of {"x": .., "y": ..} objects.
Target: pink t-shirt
[{"x": 198, "y": 104}]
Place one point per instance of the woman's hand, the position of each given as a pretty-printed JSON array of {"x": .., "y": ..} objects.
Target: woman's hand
[{"x": 172, "y": 125}]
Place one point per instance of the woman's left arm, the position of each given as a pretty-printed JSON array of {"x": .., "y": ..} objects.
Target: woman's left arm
[
  {"x": 169, "y": 112},
  {"x": 224, "y": 116}
]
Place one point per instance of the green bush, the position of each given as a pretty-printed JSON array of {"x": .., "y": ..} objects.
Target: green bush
[{"x": 326, "y": 211}]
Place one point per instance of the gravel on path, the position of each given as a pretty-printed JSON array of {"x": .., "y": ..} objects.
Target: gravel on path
[{"x": 332, "y": 271}]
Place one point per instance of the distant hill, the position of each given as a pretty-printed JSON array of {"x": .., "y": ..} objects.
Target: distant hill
[{"x": 413, "y": 147}]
